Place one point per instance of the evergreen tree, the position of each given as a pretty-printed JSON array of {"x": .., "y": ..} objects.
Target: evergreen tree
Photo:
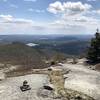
[{"x": 93, "y": 54}]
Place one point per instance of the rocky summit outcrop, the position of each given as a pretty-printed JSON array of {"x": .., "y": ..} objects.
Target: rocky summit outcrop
[
  {"x": 59, "y": 92},
  {"x": 66, "y": 82}
]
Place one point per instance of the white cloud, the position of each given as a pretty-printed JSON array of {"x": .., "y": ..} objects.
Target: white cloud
[
  {"x": 74, "y": 17},
  {"x": 91, "y": 0},
  {"x": 31, "y": 10},
  {"x": 76, "y": 6},
  {"x": 30, "y": 0},
  {"x": 12, "y": 25},
  {"x": 97, "y": 11},
  {"x": 68, "y": 7},
  {"x": 24, "y": 0},
  {"x": 5, "y": 0},
  {"x": 6, "y": 17},
  {"x": 55, "y": 7},
  {"x": 11, "y": 20},
  {"x": 36, "y": 10},
  {"x": 19, "y": 21},
  {"x": 39, "y": 11},
  {"x": 76, "y": 24},
  {"x": 13, "y": 6}
]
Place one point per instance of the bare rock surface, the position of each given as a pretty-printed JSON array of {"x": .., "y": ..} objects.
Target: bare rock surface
[
  {"x": 80, "y": 83},
  {"x": 10, "y": 88},
  {"x": 82, "y": 79}
]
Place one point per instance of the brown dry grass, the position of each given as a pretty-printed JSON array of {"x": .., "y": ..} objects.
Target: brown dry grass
[
  {"x": 97, "y": 67},
  {"x": 56, "y": 78}
]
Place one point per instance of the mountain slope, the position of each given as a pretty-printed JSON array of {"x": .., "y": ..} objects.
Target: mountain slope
[{"x": 20, "y": 54}]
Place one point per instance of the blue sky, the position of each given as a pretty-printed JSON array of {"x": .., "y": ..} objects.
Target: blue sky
[{"x": 49, "y": 16}]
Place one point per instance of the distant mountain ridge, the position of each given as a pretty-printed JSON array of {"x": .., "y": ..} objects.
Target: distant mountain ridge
[
  {"x": 51, "y": 44},
  {"x": 31, "y": 38}
]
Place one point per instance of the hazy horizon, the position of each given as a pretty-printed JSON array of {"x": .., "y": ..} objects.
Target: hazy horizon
[{"x": 48, "y": 34}]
